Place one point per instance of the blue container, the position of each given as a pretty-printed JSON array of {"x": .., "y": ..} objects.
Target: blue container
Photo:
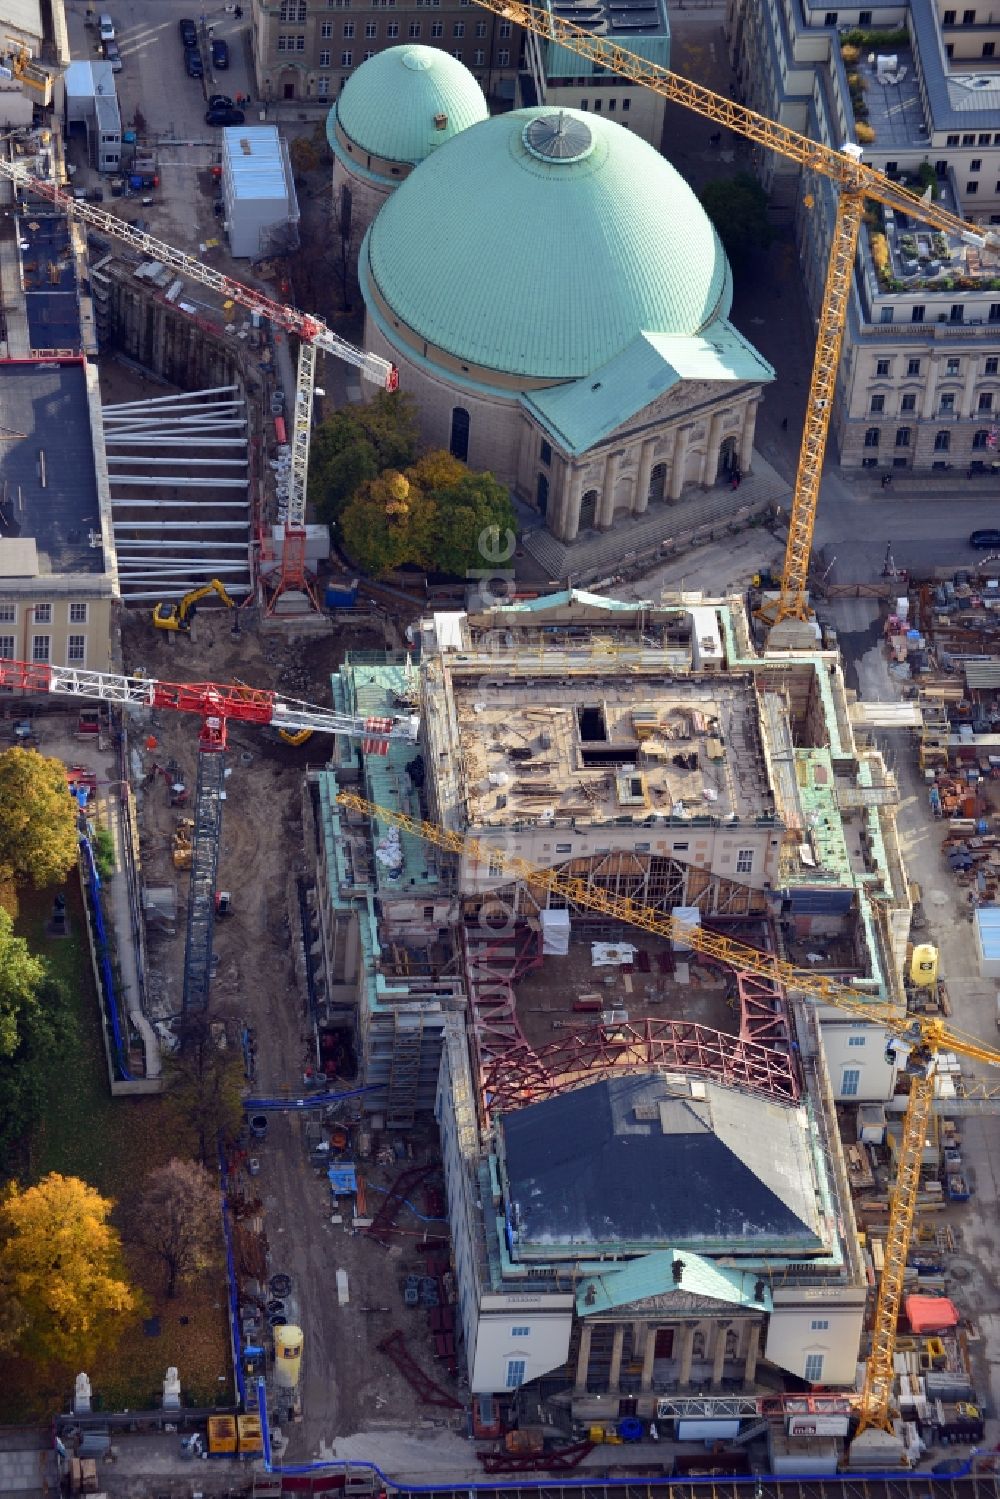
[
  {"x": 630, "y": 1429},
  {"x": 341, "y": 595}
]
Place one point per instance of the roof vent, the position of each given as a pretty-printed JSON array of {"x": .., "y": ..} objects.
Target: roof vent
[
  {"x": 440, "y": 122},
  {"x": 560, "y": 137}
]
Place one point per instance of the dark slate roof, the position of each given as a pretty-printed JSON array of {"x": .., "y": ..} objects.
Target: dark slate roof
[
  {"x": 639, "y": 1161},
  {"x": 47, "y": 402}
]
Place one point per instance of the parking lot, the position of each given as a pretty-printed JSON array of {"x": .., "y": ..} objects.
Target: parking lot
[{"x": 167, "y": 107}]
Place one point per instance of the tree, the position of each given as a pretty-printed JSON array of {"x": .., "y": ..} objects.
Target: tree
[
  {"x": 303, "y": 155},
  {"x": 387, "y": 523},
  {"x": 737, "y": 207},
  {"x": 61, "y": 1264},
  {"x": 20, "y": 977},
  {"x": 473, "y": 509},
  {"x": 355, "y": 444},
  {"x": 45, "y": 1029},
  {"x": 38, "y": 836},
  {"x": 206, "y": 1082},
  {"x": 179, "y": 1219}
]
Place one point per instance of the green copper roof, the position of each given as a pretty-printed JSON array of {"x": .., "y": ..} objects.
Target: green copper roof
[
  {"x": 580, "y": 413},
  {"x": 545, "y": 249},
  {"x": 655, "y": 1275},
  {"x": 388, "y": 107}
]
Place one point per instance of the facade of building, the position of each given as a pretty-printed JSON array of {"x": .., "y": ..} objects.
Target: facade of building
[
  {"x": 586, "y": 404},
  {"x": 390, "y": 116},
  {"x": 917, "y": 384},
  {"x": 303, "y": 51}
]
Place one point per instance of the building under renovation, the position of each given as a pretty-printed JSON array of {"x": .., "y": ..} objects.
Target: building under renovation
[{"x": 641, "y": 751}]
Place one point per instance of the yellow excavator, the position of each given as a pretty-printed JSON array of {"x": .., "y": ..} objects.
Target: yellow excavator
[{"x": 179, "y": 616}]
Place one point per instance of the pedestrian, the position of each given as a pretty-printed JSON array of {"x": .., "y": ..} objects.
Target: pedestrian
[{"x": 784, "y": 424}]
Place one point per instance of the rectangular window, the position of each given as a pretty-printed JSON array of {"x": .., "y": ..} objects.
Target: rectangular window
[
  {"x": 985, "y": 401},
  {"x": 496, "y": 864},
  {"x": 479, "y": 58},
  {"x": 952, "y": 140},
  {"x": 437, "y": 29},
  {"x": 480, "y": 29},
  {"x": 882, "y": 367},
  {"x": 326, "y": 31},
  {"x": 908, "y": 403},
  {"x": 942, "y": 442},
  {"x": 371, "y": 30},
  {"x": 971, "y": 188},
  {"x": 503, "y": 58},
  {"x": 864, "y": 18},
  {"x": 949, "y": 17},
  {"x": 968, "y": 18},
  {"x": 39, "y": 648},
  {"x": 992, "y": 366},
  {"x": 877, "y": 405},
  {"x": 300, "y": 44},
  {"x": 78, "y": 614},
  {"x": 953, "y": 367},
  {"x": 856, "y": 1040},
  {"x": 324, "y": 59},
  {"x": 564, "y": 848},
  {"x": 819, "y": 1324},
  {"x": 744, "y": 861},
  {"x": 680, "y": 848},
  {"x": 849, "y": 1081},
  {"x": 902, "y": 441},
  {"x": 913, "y": 367},
  {"x": 873, "y": 436},
  {"x": 8, "y": 614},
  {"x": 348, "y": 30},
  {"x": 831, "y": 18},
  {"x": 347, "y": 59},
  {"x": 520, "y": 1332},
  {"x": 626, "y": 106},
  {"x": 989, "y": 49},
  {"x": 968, "y": 139},
  {"x": 947, "y": 406},
  {"x": 457, "y": 54},
  {"x": 814, "y": 1368},
  {"x": 545, "y": 452},
  {"x": 503, "y": 30},
  {"x": 414, "y": 30},
  {"x": 515, "y": 1372},
  {"x": 885, "y": 314},
  {"x": 76, "y": 650},
  {"x": 917, "y": 313},
  {"x": 6, "y": 648},
  {"x": 458, "y": 30},
  {"x": 322, "y": 87},
  {"x": 995, "y": 312},
  {"x": 42, "y": 614},
  {"x": 392, "y": 30}
]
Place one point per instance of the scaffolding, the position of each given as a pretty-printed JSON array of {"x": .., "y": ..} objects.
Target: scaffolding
[{"x": 204, "y": 870}]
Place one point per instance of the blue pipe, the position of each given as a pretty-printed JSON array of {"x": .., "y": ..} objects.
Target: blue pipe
[
  {"x": 311, "y": 1101},
  {"x": 94, "y": 886},
  {"x": 234, "y": 1306}
]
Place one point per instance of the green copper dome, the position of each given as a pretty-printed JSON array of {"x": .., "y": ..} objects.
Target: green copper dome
[
  {"x": 541, "y": 243},
  {"x": 402, "y": 104}
]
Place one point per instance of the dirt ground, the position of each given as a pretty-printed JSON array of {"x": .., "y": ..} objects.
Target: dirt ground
[
  {"x": 347, "y": 1385},
  {"x": 545, "y": 996}
]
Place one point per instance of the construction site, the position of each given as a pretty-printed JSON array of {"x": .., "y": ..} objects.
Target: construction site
[{"x": 602, "y": 1106}]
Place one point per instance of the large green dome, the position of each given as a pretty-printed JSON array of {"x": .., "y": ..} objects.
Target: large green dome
[
  {"x": 540, "y": 243},
  {"x": 394, "y": 105}
]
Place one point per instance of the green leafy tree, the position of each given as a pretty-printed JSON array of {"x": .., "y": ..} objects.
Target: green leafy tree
[
  {"x": 178, "y": 1219},
  {"x": 390, "y": 521},
  {"x": 206, "y": 1089},
  {"x": 61, "y": 1267},
  {"x": 46, "y": 1028},
  {"x": 38, "y": 837},
  {"x": 737, "y": 207},
  {"x": 355, "y": 444},
  {"x": 474, "y": 509},
  {"x": 21, "y": 977}
]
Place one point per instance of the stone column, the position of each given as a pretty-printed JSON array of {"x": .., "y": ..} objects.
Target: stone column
[
  {"x": 648, "y": 1358},
  {"x": 569, "y": 509},
  {"x": 719, "y": 1359},
  {"x": 750, "y": 1364},
  {"x": 679, "y": 462},
  {"x": 687, "y": 1349},
  {"x": 617, "y": 1343},
  {"x": 747, "y": 436},
  {"x": 968, "y": 410},
  {"x": 710, "y": 462},
  {"x": 927, "y": 409},
  {"x": 606, "y": 507},
  {"x": 641, "y": 501},
  {"x": 583, "y": 1359}
]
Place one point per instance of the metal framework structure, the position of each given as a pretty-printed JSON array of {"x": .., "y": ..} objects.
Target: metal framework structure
[
  {"x": 312, "y": 332},
  {"x": 916, "y": 1039},
  {"x": 205, "y": 841},
  {"x": 856, "y": 182}
]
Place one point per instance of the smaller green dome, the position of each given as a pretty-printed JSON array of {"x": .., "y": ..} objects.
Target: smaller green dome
[{"x": 402, "y": 104}]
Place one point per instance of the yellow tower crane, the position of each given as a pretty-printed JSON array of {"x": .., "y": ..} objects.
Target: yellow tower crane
[
  {"x": 919, "y": 1037},
  {"x": 856, "y": 183}
]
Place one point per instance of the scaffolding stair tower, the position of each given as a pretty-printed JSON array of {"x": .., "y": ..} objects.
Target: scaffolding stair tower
[
  {"x": 404, "y": 1070},
  {"x": 204, "y": 871}
]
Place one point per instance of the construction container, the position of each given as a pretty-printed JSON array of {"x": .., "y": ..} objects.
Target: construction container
[
  {"x": 251, "y": 1438},
  {"x": 222, "y": 1436},
  {"x": 261, "y": 210},
  {"x": 287, "y": 1356},
  {"x": 924, "y": 965}
]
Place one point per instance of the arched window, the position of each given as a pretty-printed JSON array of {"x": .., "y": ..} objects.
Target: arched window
[
  {"x": 542, "y": 494},
  {"x": 346, "y": 207},
  {"x": 588, "y": 509},
  {"x": 459, "y": 444},
  {"x": 658, "y": 481}
]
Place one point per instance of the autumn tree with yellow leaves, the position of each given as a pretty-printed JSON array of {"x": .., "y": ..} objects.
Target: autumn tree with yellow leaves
[
  {"x": 62, "y": 1278},
  {"x": 38, "y": 833}
]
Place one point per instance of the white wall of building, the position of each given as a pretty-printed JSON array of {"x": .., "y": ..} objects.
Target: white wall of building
[
  {"x": 519, "y": 1337},
  {"x": 855, "y": 1058},
  {"x": 816, "y": 1334}
]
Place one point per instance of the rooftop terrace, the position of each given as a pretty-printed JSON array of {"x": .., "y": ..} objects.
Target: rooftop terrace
[{"x": 602, "y": 747}]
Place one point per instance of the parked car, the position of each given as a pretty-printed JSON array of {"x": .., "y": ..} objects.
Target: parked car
[
  {"x": 220, "y": 53},
  {"x": 113, "y": 56},
  {"x": 106, "y": 28},
  {"x": 225, "y": 115},
  {"x": 220, "y": 101},
  {"x": 188, "y": 31},
  {"x": 193, "y": 63},
  {"x": 983, "y": 540}
]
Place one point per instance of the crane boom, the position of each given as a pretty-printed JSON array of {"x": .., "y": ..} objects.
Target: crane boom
[
  {"x": 856, "y": 182},
  {"x": 923, "y": 1036},
  {"x": 304, "y": 325},
  {"x": 209, "y": 700}
]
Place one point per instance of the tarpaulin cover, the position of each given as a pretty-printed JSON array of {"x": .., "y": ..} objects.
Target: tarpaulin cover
[
  {"x": 555, "y": 933},
  {"x": 930, "y": 1313}
]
